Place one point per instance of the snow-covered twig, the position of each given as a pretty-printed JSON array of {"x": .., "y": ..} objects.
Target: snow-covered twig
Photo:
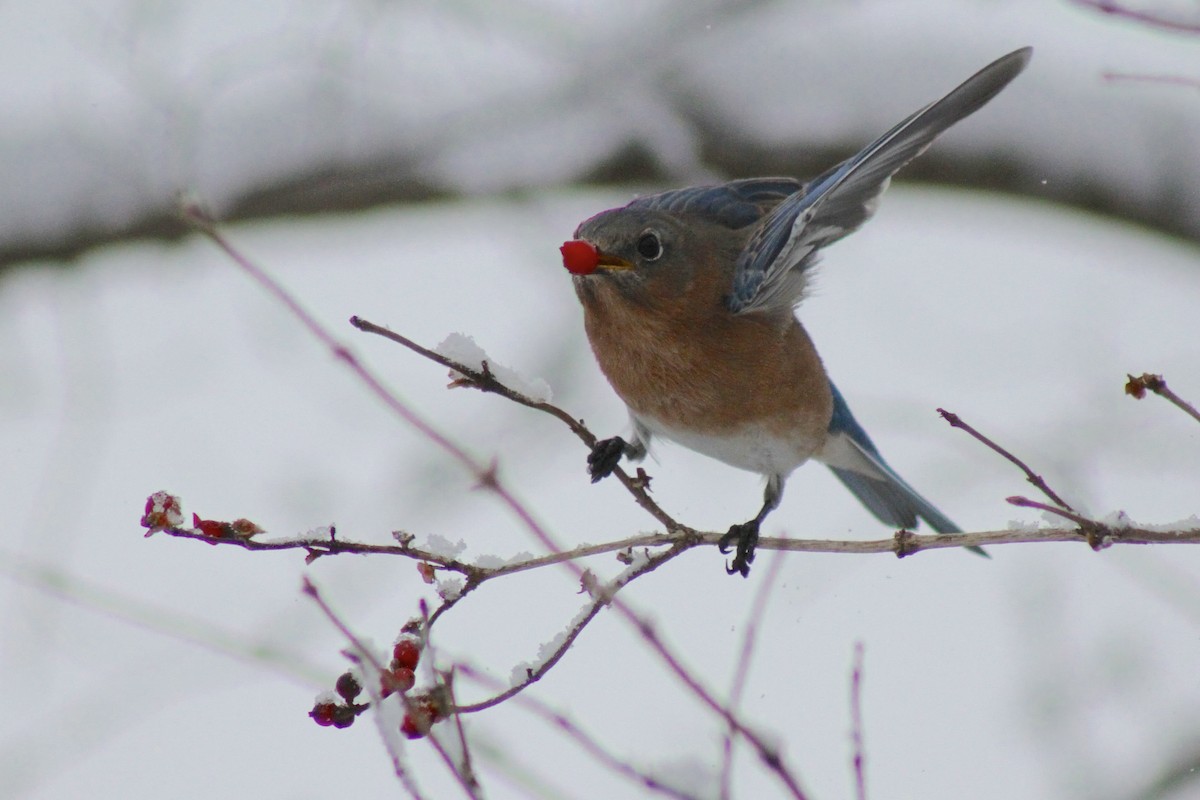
[
  {"x": 483, "y": 380},
  {"x": 601, "y": 596},
  {"x": 903, "y": 543}
]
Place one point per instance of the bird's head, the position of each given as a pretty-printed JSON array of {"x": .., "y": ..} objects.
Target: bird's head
[{"x": 647, "y": 256}]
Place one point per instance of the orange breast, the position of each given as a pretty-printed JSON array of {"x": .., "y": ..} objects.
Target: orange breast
[{"x": 707, "y": 370}]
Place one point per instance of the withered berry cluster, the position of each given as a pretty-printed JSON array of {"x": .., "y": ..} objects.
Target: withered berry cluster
[{"x": 421, "y": 710}]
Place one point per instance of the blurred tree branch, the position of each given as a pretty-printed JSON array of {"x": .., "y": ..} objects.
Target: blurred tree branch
[
  {"x": 356, "y": 186},
  {"x": 342, "y": 175}
]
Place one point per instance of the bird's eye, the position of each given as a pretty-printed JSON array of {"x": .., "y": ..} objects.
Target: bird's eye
[{"x": 649, "y": 247}]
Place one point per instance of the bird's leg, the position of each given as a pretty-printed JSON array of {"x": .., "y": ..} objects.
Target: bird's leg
[
  {"x": 746, "y": 533},
  {"x": 606, "y": 453}
]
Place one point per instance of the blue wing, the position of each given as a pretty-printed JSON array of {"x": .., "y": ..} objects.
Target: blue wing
[
  {"x": 770, "y": 272},
  {"x": 856, "y": 462}
]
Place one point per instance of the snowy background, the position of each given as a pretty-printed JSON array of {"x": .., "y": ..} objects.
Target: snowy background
[{"x": 163, "y": 668}]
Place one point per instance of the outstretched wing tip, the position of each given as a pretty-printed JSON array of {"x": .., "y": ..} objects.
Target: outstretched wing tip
[{"x": 770, "y": 270}]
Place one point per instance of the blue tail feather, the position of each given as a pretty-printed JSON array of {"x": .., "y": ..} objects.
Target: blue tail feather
[{"x": 856, "y": 462}]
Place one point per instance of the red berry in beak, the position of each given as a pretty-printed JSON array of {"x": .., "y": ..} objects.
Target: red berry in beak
[{"x": 579, "y": 257}]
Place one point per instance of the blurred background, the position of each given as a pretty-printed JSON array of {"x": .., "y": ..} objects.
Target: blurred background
[{"x": 418, "y": 164}]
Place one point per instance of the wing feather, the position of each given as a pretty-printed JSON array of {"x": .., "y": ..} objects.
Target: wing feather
[{"x": 771, "y": 270}]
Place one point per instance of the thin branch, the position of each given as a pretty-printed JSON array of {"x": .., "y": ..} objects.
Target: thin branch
[
  {"x": 585, "y": 741},
  {"x": 1025, "y": 502},
  {"x": 317, "y": 547},
  {"x": 185, "y": 627},
  {"x": 1098, "y": 535},
  {"x": 903, "y": 543},
  {"x": 856, "y": 724},
  {"x": 956, "y": 422},
  {"x": 485, "y": 381},
  {"x": 1143, "y": 17},
  {"x": 741, "y": 673},
  {"x": 601, "y": 596},
  {"x": 197, "y": 217},
  {"x": 1168, "y": 80},
  {"x": 768, "y": 753},
  {"x": 1137, "y": 387},
  {"x": 466, "y": 768}
]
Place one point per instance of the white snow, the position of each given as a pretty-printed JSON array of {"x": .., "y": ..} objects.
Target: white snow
[
  {"x": 545, "y": 651},
  {"x": 450, "y": 587},
  {"x": 442, "y": 546},
  {"x": 1189, "y": 523},
  {"x": 463, "y": 349}
]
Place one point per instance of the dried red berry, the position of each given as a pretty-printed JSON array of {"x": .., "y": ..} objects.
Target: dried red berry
[
  {"x": 244, "y": 528},
  {"x": 348, "y": 687},
  {"x": 579, "y": 257},
  {"x": 410, "y": 729},
  {"x": 211, "y": 527},
  {"x": 407, "y": 652},
  {"x": 422, "y": 713},
  {"x": 324, "y": 714},
  {"x": 400, "y": 679}
]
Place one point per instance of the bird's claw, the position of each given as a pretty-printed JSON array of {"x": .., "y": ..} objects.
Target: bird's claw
[
  {"x": 746, "y": 537},
  {"x": 605, "y": 456}
]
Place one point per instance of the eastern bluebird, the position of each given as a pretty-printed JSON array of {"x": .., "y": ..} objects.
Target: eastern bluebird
[{"x": 688, "y": 301}]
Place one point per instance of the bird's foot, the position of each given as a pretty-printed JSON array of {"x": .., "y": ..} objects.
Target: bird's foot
[
  {"x": 605, "y": 457},
  {"x": 746, "y": 537}
]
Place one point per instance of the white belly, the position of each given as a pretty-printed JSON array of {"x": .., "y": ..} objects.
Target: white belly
[{"x": 754, "y": 447}]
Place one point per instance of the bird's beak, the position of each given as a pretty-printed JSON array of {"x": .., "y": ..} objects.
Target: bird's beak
[
  {"x": 610, "y": 262},
  {"x": 581, "y": 257}
]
